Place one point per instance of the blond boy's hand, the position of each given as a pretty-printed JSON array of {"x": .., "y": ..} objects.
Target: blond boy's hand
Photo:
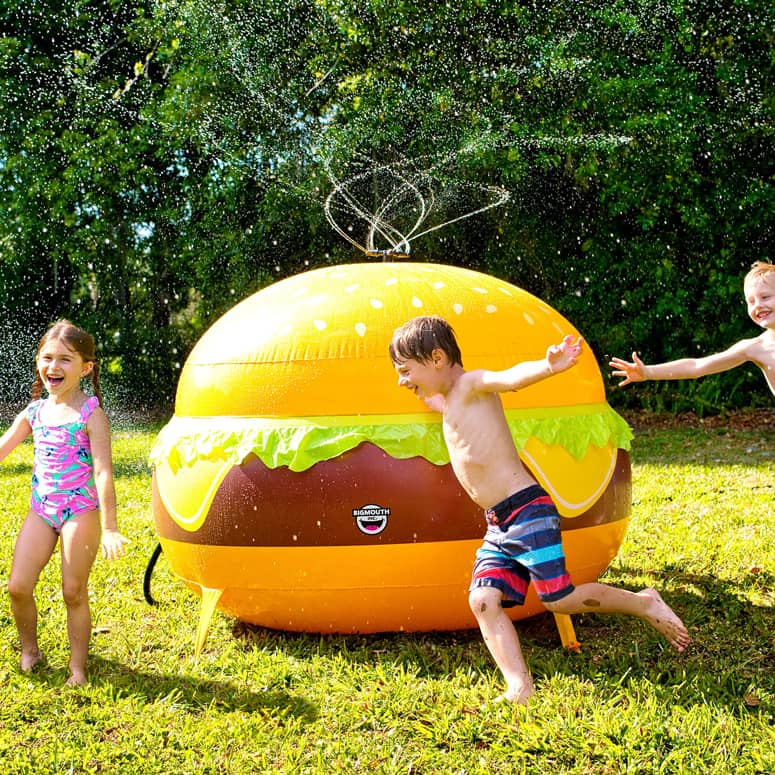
[
  {"x": 632, "y": 372},
  {"x": 564, "y": 355}
]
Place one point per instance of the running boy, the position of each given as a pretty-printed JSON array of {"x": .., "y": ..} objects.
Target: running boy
[
  {"x": 759, "y": 291},
  {"x": 522, "y": 542}
]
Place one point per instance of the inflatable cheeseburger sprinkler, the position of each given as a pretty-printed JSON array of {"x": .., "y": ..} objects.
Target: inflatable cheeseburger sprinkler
[{"x": 298, "y": 487}]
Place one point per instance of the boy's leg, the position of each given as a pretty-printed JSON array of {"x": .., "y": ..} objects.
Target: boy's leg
[
  {"x": 80, "y": 542},
  {"x": 647, "y": 605},
  {"x": 34, "y": 547},
  {"x": 546, "y": 561},
  {"x": 502, "y": 641}
]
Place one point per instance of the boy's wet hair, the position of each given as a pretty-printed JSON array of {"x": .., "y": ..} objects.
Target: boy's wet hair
[
  {"x": 759, "y": 270},
  {"x": 420, "y": 336},
  {"x": 77, "y": 340}
]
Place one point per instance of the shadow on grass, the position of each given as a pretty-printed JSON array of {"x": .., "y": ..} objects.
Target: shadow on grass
[
  {"x": 194, "y": 694},
  {"x": 703, "y": 600},
  {"x": 127, "y": 469},
  {"x": 731, "y": 649},
  {"x": 732, "y": 646},
  {"x": 17, "y": 469},
  {"x": 711, "y": 447}
]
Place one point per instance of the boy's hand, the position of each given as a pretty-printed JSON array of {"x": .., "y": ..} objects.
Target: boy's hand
[
  {"x": 564, "y": 355},
  {"x": 632, "y": 372},
  {"x": 113, "y": 544}
]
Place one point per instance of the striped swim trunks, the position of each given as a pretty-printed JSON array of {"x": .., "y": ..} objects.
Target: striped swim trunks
[{"x": 523, "y": 544}]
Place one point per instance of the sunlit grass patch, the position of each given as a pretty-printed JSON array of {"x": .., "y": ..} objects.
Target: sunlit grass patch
[{"x": 260, "y": 701}]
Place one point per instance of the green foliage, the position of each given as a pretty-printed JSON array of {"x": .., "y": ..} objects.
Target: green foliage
[
  {"x": 261, "y": 701},
  {"x": 160, "y": 161}
]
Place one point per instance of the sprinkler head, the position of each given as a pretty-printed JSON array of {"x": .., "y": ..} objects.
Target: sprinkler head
[{"x": 385, "y": 255}]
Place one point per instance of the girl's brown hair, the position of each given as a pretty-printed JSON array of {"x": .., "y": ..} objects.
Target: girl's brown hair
[{"x": 78, "y": 341}]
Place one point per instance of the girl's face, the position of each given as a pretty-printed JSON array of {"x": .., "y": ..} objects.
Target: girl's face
[
  {"x": 760, "y": 298},
  {"x": 61, "y": 368}
]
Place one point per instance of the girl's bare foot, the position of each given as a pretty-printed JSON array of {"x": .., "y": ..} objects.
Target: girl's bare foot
[
  {"x": 512, "y": 699},
  {"x": 30, "y": 659},
  {"x": 77, "y": 678},
  {"x": 516, "y": 696},
  {"x": 662, "y": 618}
]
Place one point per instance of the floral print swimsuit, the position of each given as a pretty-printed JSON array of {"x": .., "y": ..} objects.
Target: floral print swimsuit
[{"x": 63, "y": 469}]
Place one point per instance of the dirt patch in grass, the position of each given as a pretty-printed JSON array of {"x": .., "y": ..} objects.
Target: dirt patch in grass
[{"x": 743, "y": 420}]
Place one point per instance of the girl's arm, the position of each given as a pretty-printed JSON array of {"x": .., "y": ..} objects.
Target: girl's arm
[
  {"x": 684, "y": 368},
  {"x": 20, "y": 429},
  {"x": 99, "y": 439},
  {"x": 559, "y": 357}
]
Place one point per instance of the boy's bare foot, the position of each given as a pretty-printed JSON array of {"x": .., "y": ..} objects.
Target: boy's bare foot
[
  {"x": 30, "y": 659},
  {"x": 662, "y": 618}
]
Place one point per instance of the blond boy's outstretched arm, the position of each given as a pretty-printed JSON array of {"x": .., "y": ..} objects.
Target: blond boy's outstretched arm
[{"x": 683, "y": 368}]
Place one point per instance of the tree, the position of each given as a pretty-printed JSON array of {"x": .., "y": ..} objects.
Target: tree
[{"x": 173, "y": 157}]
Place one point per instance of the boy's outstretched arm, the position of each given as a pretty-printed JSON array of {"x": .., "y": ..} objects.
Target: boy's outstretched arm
[
  {"x": 564, "y": 355},
  {"x": 684, "y": 368},
  {"x": 633, "y": 371},
  {"x": 559, "y": 357}
]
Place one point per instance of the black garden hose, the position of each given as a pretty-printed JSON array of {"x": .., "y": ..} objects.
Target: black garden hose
[{"x": 148, "y": 573}]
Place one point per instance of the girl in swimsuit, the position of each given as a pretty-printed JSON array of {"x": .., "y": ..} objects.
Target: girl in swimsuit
[{"x": 73, "y": 496}]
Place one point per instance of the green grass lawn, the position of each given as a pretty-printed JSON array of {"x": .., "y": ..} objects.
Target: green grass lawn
[{"x": 258, "y": 701}]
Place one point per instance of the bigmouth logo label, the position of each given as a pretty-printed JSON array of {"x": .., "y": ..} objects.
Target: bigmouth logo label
[{"x": 371, "y": 519}]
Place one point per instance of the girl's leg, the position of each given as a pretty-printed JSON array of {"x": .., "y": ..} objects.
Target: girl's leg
[
  {"x": 34, "y": 547},
  {"x": 646, "y": 604},
  {"x": 502, "y": 640},
  {"x": 80, "y": 542}
]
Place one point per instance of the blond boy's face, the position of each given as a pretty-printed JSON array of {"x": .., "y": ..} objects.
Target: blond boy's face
[{"x": 760, "y": 298}]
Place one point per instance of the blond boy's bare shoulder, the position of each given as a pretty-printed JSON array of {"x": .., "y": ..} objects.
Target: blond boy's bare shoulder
[
  {"x": 750, "y": 348},
  {"x": 762, "y": 345}
]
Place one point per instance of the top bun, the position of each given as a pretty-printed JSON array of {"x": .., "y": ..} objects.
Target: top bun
[{"x": 317, "y": 343}]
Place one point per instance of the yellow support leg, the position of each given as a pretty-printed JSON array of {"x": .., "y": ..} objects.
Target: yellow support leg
[
  {"x": 210, "y": 599},
  {"x": 567, "y": 633}
]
